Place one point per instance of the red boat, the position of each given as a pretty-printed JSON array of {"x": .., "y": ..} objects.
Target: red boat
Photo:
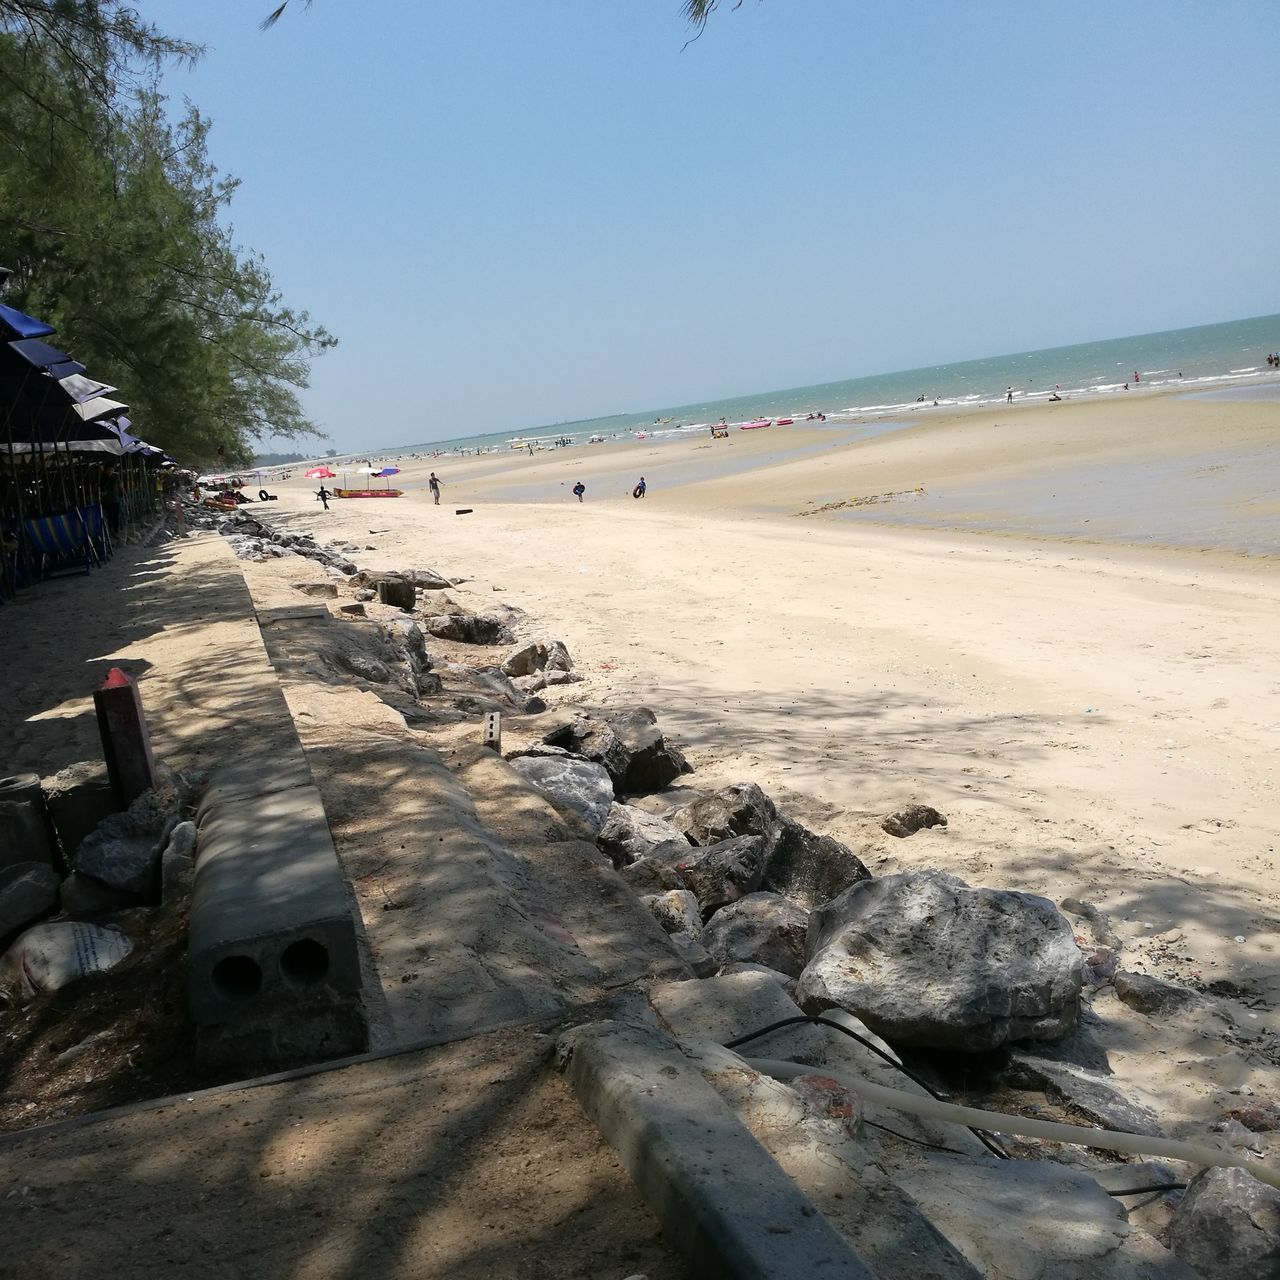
[{"x": 784, "y": 422}]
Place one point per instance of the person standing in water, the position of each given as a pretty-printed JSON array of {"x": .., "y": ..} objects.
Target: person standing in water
[
  {"x": 579, "y": 489},
  {"x": 1008, "y": 399},
  {"x": 434, "y": 485}
]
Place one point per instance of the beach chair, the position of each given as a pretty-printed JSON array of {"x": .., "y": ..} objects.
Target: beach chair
[
  {"x": 97, "y": 533},
  {"x": 57, "y": 544}
]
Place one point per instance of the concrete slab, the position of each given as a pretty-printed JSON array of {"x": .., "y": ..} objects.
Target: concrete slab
[
  {"x": 720, "y": 1196},
  {"x": 294, "y": 613}
]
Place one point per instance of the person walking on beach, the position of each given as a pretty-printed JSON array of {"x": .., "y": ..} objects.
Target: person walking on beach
[
  {"x": 434, "y": 485},
  {"x": 324, "y": 495},
  {"x": 640, "y": 489},
  {"x": 579, "y": 489}
]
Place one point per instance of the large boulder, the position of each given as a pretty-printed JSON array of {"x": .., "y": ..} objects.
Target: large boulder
[
  {"x": 762, "y": 928},
  {"x": 580, "y": 789},
  {"x": 523, "y": 660},
  {"x": 923, "y": 959},
  {"x": 631, "y": 834},
  {"x": 719, "y": 874},
  {"x": 916, "y": 817},
  {"x": 1227, "y": 1226},
  {"x": 30, "y": 889},
  {"x": 468, "y": 628},
  {"x": 811, "y": 869},
  {"x": 627, "y": 742},
  {"x": 740, "y": 810}
]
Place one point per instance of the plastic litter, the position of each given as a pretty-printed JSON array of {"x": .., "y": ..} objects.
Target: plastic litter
[{"x": 52, "y": 955}]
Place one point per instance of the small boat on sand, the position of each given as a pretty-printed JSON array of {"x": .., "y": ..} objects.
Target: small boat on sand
[
  {"x": 367, "y": 493},
  {"x": 756, "y": 425}
]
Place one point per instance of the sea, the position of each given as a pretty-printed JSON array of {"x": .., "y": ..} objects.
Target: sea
[{"x": 1201, "y": 359}]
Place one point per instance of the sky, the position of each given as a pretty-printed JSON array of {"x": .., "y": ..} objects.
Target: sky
[{"x": 515, "y": 213}]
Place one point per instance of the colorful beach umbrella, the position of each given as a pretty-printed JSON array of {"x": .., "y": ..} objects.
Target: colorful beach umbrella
[{"x": 319, "y": 473}]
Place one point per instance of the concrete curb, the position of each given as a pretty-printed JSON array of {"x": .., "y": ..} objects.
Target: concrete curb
[{"x": 721, "y": 1198}]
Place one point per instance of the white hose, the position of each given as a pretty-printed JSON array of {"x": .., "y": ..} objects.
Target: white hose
[{"x": 998, "y": 1122}]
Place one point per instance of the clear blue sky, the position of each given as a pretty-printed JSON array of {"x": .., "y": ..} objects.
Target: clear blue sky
[{"x": 523, "y": 211}]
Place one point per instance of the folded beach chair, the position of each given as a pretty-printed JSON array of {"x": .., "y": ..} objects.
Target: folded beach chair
[
  {"x": 97, "y": 533},
  {"x": 57, "y": 544}
]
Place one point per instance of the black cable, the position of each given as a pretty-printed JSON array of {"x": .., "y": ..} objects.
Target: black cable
[
  {"x": 988, "y": 1142},
  {"x": 906, "y": 1137},
  {"x": 1142, "y": 1191}
]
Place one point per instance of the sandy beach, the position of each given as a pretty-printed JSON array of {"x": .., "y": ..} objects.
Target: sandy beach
[{"x": 1094, "y": 713}]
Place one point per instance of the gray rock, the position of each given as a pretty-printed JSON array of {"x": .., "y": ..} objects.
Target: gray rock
[
  {"x": 320, "y": 590},
  {"x": 78, "y": 798},
  {"x": 428, "y": 684},
  {"x": 355, "y": 609},
  {"x": 741, "y": 810},
  {"x": 522, "y": 660},
  {"x": 360, "y": 664},
  {"x": 630, "y": 834},
  {"x": 553, "y": 675},
  {"x": 30, "y": 889},
  {"x": 530, "y": 684},
  {"x": 364, "y": 594},
  {"x": 1087, "y": 1094},
  {"x": 468, "y": 628},
  {"x": 676, "y": 911},
  {"x": 655, "y": 874},
  {"x": 923, "y": 959},
  {"x": 906, "y": 822},
  {"x": 557, "y": 657},
  {"x": 1099, "y": 926},
  {"x": 784, "y": 980},
  {"x": 83, "y": 895},
  {"x": 763, "y": 928},
  {"x": 809, "y": 868},
  {"x": 409, "y": 643},
  {"x": 1227, "y": 1226},
  {"x": 627, "y": 742},
  {"x": 1151, "y": 995},
  {"x": 178, "y": 862},
  {"x": 578, "y": 788},
  {"x": 496, "y": 685},
  {"x": 24, "y": 824},
  {"x": 428, "y": 579},
  {"x": 694, "y": 954},
  {"x": 128, "y": 863},
  {"x": 722, "y": 873}
]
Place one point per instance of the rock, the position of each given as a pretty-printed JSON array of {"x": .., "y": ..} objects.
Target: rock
[
  {"x": 557, "y": 657},
  {"x": 495, "y": 684},
  {"x": 923, "y": 959},
  {"x": 652, "y": 762},
  {"x": 522, "y": 660},
  {"x": 906, "y": 822},
  {"x": 1100, "y": 965},
  {"x": 1239, "y": 1136},
  {"x": 1151, "y": 995},
  {"x": 428, "y": 579},
  {"x": 127, "y": 863},
  {"x": 321, "y": 590},
  {"x": 1257, "y": 1117},
  {"x": 83, "y": 895},
  {"x": 627, "y": 742},
  {"x": 429, "y": 684},
  {"x": 364, "y": 595},
  {"x": 178, "y": 862},
  {"x": 468, "y": 628},
  {"x": 1103, "y": 934},
  {"x": 530, "y": 684},
  {"x": 653, "y": 875},
  {"x": 397, "y": 592},
  {"x": 694, "y": 954},
  {"x": 676, "y": 911},
  {"x": 554, "y": 676},
  {"x": 762, "y": 927},
  {"x": 78, "y": 798},
  {"x": 24, "y": 823},
  {"x": 1227, "y": 1226},
  {"x": 409, "y": 643},
  {"x": 811, "y": 869},
  {"x": 785, "y": 981},
  {"x": 742, "y": 810},
  {"x": 29, "y": 890},
  {"x": 722, "y": 873},
  {"x": 578, "y": 788},
  {"x": 1086, "y": 1094},
  {"x": 357, "y": 662},
  {"x": 356, "y": 609},
  {"x": 630, "y": 834}
]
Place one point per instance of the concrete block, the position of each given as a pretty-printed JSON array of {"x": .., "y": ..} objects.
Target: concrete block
[
  {"x": 78, "y": 798},
  {"x": 126, "y": 745},
  {"x": 272, "y": 950},
  {"x": 24, "y": 826},
  {"x": 721, "y": 1198},
  {"x": 729, "y": 1006}
]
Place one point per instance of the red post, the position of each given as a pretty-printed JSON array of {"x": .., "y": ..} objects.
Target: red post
[{"x": 126, "y": 747}]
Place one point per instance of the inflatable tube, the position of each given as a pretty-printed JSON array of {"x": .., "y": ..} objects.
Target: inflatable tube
[
  {"x": 464, "y": 511},
  {"x": 637, "y": 492},
  {"x": 263, "y": 496}
]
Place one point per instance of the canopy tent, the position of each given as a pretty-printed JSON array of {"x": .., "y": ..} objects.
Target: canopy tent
[{"x": 17, "y": 324}]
